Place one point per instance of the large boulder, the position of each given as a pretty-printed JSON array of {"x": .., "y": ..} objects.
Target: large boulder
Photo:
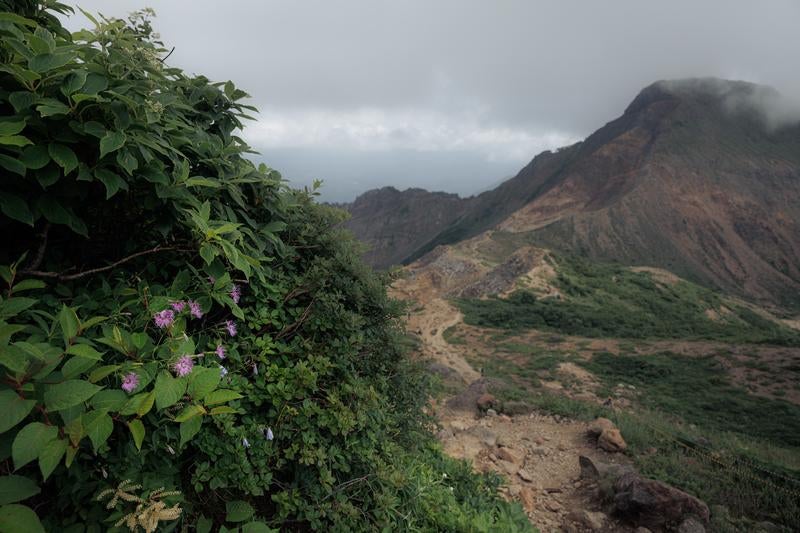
[
  {"x": 596, "y": 471},
  {"x": 611, "y": 440},
  {"x": 486, "y": 402},
  {"x": 655, "y": 505},
  {"x": 598, "y": 425}
]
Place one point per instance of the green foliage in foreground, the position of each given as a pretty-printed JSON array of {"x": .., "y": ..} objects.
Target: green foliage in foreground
[
  {"x": 174, "y": 316},
  {"x": 612, "y": 301}
]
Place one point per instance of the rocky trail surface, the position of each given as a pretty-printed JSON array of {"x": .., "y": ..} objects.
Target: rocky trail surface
[{"x": 537, "y": 453}]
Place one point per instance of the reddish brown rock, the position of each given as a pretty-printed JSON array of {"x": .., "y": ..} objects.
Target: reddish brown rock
[
  {"x": 656, "y": 505},
  {"x": 611, "y": 440},
  {"x": 527, "y": 499},
  {"x": 598, "y": 425},
  {"x": 486, "y": 401}
]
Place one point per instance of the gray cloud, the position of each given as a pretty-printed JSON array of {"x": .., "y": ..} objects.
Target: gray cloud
[{"x": 498, "y": 80}]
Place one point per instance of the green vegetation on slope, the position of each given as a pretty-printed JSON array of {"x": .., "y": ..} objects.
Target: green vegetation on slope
[
  {"x": 603, "y": 300},
  {"x": 688, "y": 437},
  {"x": 697, "y": 390},
  {"x": 174, "y": 316}
]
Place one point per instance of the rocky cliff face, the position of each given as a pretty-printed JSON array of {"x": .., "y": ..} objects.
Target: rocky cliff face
[
  {"x": 692, "y": 178},
  {"x": 394, "y": 223}
]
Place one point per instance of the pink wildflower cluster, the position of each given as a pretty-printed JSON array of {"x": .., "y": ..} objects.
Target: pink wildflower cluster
[
  {"x": 130, "y": 382},
  {"x": 220, "y": 351},
  {"x": 195, "y": 309},
  {"x": 183, "y": 366},
  {"x": 236, "y": 293},
  {"x": 230, "y": 325},
  {"x": 165, "y": 318}
]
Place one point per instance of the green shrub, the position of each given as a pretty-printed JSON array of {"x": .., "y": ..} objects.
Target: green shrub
[
  {"x": 611, "y": 301},
  {"x": 185, "y": 341}
]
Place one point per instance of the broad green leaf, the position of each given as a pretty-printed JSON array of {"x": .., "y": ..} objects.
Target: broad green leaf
[
  {"x": 15, "y": 140},
  {"x": 29, "y": 284},
  {"x": 70, "y": 455},
  {"x": 12, "y": 165},
  {"x": 147, "y": 404},
  {"x": 92, "y": 322},
  {"x": 44, "y": 41},
  {"x": 76, "y": 366},
  {"x": 127, "y": 161},
  {"x": 44, "y": 62},
  {"x": 208, "y": 252},
  {"x": 168, "y": 390},
  {"x": 222, "y": 410},
  {"x": 190, "y": 428},
  {"x": 22, "y": 100},
  {"x": 35, "y": 157},
  {"x": 69, "y": 322},
  {"x": 14, "y": 306},
  {"x": 47, "y": 177},
  {"x": 14, "y": 409},
  {"x": 94, "y": 83},
  {"x": 221, "y": 396},
  {"x": 190, "y": 412},
  {"x": 15, "y": 207},
  {"x": 73, "y": 82},
  {"x": 137, "y": 430},
  {"x": 85, "y": 351},
  {"x": 135, "y": 402},
  {"x": 204, "y": 525},
  {"x": 11, "y": 127},
  {"x": 199, "y": 181},
  {"x": 74, "y": 430},
  {"x": 109, "y": 400},
  {"x": 51, "y": 455},
  {"x": 63, "y": 156},
  {"x": 202, "y": 380},
  {"x": 238, "y": 511},
  {"x": 69, "y": 393},
  {"x": 17, "y": 19},
  {"x": 94, "y": 129},
  {"x": 98, "y": 427},
  {"x": 52, "y": 108},
  {"x": 99, "y": 373},
  {"x": 17, "y": 488},
  {"x": 111, "y": 180},
  {"x": 15, "y": 359},
  {"x": 111, "y": 141},
  {"x": 29, "y": 442},
  {"x": 17, "y": 518}
]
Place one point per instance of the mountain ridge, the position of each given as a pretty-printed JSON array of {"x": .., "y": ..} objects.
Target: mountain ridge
[{"x": 692, "y": 177}]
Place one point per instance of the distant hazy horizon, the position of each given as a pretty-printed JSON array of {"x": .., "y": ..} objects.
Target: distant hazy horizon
[{"x": 454, "y": 94}]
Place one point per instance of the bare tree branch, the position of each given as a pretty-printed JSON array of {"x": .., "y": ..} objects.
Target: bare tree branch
[
  {"x": 37, "y": 261},
  {"x": 62, "y": 276}
]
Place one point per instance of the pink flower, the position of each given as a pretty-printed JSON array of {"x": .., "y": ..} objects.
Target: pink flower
[
  {"x": 220, "y": 351},
  {"x": 212, "y": 280},
  {"x": 130, "y": 382},
  {"x": 230, "y": 325},
  {"x": 178, "y": 306},
  {"x": 194, "y": 307},
  {"x": 183, "y": 366},
  {"x": 236, "y": 293},
  {"x": 165, "y": 318}
]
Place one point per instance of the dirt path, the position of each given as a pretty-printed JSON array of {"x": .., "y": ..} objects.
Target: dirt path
[
  {"x": 430, "y": 324},
  {"x": 538, "y": 454}
]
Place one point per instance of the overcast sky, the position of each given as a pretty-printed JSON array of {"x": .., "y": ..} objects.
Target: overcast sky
[{"x": 455, "y": 95}]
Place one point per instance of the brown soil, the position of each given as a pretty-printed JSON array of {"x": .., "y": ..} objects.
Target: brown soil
[{"x": 547, "y": 448}]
